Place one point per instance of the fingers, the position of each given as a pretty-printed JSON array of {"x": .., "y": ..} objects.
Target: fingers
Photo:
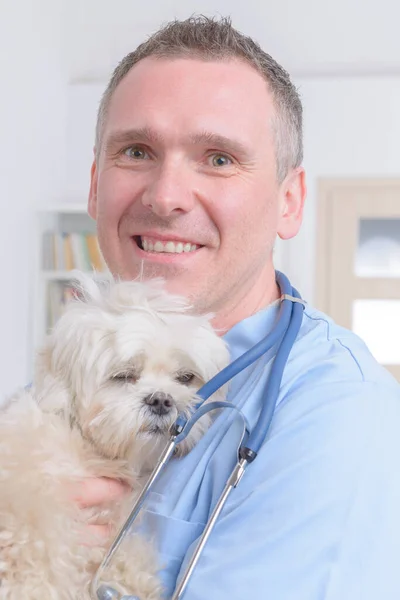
[
  {"x": 98, "y": 491},
  {"x": 98, "y": 535}
]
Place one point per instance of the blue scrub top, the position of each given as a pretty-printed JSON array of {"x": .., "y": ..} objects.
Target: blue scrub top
[{"x": 317, "y": 515}]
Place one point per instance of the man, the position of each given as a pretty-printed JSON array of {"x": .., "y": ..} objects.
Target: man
[{"x": 197, "y": 169}]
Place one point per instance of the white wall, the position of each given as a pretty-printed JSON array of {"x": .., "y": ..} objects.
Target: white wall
[
  {"x": 82, "y": 103},
  {"x": 308, "y": 37},
  {"x": 352, "y": 129},
  {"x": 32, "y": 160}
]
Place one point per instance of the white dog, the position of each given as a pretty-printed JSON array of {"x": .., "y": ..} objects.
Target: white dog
[{"x": 119, "y": 366}]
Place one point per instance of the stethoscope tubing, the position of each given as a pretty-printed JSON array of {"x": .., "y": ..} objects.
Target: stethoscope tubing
[{"x": 285, "y": 330}]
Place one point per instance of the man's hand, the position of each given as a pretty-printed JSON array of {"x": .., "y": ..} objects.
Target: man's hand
[{"x": 99, "y": 492}]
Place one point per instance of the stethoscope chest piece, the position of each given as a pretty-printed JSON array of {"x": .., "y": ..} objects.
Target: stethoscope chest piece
[{"x": 106, "y": 592}]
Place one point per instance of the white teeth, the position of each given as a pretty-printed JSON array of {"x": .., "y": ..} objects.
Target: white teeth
[{"x": 169, "y": 247}]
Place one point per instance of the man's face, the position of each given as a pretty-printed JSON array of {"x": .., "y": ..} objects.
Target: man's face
[{"x": 185, "y": 183}]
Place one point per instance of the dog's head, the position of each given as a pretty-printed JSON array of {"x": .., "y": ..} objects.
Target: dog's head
[{"x": 126, "y": 359}]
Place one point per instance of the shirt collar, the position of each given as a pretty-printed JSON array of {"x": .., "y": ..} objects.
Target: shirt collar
[{"x": 248, "y": 332}]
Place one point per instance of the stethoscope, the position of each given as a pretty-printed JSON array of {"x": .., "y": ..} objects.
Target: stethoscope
[{"x": 283, "y": 336}]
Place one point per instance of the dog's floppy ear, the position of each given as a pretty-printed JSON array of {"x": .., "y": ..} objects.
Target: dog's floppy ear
[
  {"x": 72, "y": 350},
  {"x": 92, "y": 288},
  {"x": 50, "y": 391},
  {"x": 209, "y": 352}
]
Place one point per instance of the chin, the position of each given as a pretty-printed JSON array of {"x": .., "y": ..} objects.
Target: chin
[{"x": 124, "y": 360}]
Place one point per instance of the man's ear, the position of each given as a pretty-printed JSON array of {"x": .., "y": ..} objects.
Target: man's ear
[
  {"x": 292, "y": 197},
  {"x": 92, "y": 200}
]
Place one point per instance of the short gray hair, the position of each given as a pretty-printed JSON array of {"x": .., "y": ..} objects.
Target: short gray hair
[{"x": 215, "y": 39}]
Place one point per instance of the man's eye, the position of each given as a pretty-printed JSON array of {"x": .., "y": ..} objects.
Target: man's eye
[
  {"x": 185, "y": 377},
  {"x": 136, "y": 153},
  {"x": 220, "y": 160}
]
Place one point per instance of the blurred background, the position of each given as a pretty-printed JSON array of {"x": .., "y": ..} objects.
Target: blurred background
[{"x": 56, "y": 57}]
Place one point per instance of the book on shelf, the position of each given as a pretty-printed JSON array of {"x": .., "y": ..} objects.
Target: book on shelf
[{"x": 62, "y": 251}]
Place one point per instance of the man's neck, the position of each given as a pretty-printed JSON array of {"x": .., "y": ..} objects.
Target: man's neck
[{"x": 263, "y": 292}]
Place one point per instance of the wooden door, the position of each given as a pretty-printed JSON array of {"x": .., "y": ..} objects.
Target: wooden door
[{"x": 358, "y": 262}]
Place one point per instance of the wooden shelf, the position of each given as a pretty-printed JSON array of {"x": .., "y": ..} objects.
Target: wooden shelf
[
  {"x": 57, "y": 275},
  {"x": 62, "y": 275},
  {"x": 66, "y": 209}
]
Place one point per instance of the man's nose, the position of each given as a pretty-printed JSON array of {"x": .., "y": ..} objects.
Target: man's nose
[
  {"x": 170, "y": 192},
  {"x": 160, "y": 403}
]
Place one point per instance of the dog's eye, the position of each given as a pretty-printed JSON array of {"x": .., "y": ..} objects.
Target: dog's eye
[
  {"x": 125, "y": 377},
  {"x": 185, "y": 377}
]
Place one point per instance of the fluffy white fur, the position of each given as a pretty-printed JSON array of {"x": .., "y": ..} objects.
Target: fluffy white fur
[{"x": 121, "y": 353}]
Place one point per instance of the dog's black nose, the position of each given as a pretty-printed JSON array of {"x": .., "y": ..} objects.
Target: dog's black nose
[{"x": 160, "y": 403}]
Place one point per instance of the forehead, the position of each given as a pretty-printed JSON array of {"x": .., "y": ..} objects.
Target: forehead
[{"x": 187, "y": 94}]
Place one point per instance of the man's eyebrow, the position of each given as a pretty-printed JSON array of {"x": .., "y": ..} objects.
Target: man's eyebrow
[
  {"x": 219, "y": 142},
  {"x": 120, "y": 137}
]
